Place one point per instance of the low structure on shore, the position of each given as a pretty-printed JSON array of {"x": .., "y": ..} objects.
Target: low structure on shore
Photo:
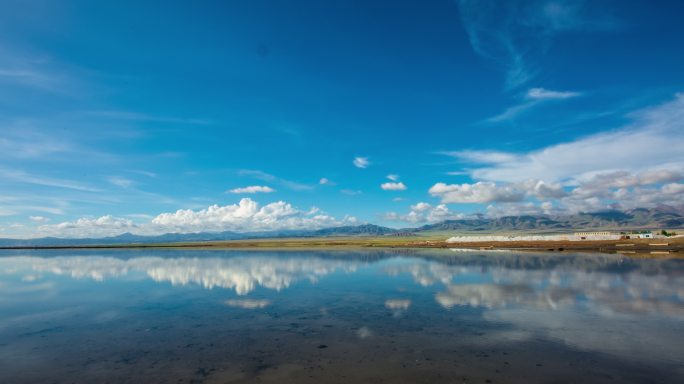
[
  {"x": 577, "y": 236},
  {"x": 569, "y": 237}
]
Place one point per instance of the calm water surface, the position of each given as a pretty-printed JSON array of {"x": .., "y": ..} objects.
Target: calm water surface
[{"x": 167, "y": 316}]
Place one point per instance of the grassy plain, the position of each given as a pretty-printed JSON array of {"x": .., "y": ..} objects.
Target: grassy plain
[{"x": 432, "y": 240}]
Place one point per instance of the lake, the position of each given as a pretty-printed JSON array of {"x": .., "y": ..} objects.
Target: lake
[{"x": 339, "y": 316}]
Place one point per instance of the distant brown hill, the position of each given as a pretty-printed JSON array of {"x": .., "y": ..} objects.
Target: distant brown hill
[{"x": 652, "y": 218}]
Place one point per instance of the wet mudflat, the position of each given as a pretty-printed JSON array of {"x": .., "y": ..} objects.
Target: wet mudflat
[{"x": 413, "y": 316}]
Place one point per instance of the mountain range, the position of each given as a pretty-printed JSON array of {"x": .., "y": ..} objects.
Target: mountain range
[{"x": 663, "y": 217}]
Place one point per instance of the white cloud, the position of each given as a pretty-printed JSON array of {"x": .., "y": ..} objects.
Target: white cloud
[
  {"x": 542, "y": 190},
  {"x": 393, "y": 186},
  {"x": 361, "y": 162},
  {"x": 512, "y": 112},
  {"x": 393, "y": 177},
  {"x": 263, "y": 176},
  {"x": 24, "y": 142},
  {"x": 425, "y": 213},
  {"x": 480, "y": 192},
  {"x": 39, "y": 219},
  {"x": 107, "y": 225},
  {"x": 351, "y": 192},
  {"x": 120, "y": 181},
  {"x": 546, "y": 94},
  {"x": 24, "y": 177},
  {"x": 622, "y": 194},
  {"x": 534, "y": 97},
  {"x": 625, "y": 179},
  {"x": 652, "y": 143},
  {"x": 326, "y": 181},
  {"x": 520, "y": 209},
  {"x": 638, "y": 165},
  {"x": 482, "y": 157},
  {"x": 517, "y": 35},
  {"x": 253, "y": 189},
  {"x": 246, "y": 216},
  {"x": 144, "y": 173}
]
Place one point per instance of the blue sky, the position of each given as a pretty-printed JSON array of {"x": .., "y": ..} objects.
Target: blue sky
[{"x": 258, "y": 115}]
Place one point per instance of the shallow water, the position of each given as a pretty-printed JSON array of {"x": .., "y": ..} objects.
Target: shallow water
[{"x": 406, "y": 316}]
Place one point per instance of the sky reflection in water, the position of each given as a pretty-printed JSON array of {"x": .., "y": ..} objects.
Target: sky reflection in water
[{"x": 76, "y": 316}]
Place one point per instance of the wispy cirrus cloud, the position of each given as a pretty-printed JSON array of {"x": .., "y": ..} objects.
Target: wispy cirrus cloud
[
  {"x": 546, "y": 94},
  {"x": 21, "y": 141},
  {"x": 263, "y": 176},
  {"x": 120, "y": 182},
  {"x": 31, "y": 77},
  {"x": 533, "y": 98},
  {"x": 652, "y": 141},
  {"x": 517, "y": 34},
  {"x": 351, "y": 192},
  {"x": 28, "y": 178}
]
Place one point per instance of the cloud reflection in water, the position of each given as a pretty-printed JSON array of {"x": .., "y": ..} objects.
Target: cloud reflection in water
[{"x": 243, "y": 274}]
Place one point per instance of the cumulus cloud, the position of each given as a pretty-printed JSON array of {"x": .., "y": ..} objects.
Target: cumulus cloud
[
  {"x": 393, "y": 186},
  {"x": 594, "y": 198},
  {"x": 425, "y": 213},
  {"x": 520, "y": 209},
  {"x": 107, "y": 225},
  {"x": 246, "y": 216},
  {"x": 542, "y": 190},
  {"x": 480, "y": 192},
  {"x": 361, "y": 162},
  {"x": 393, "y": 177},
  {"x": 253, "y": 189},
  {"x": 39, "y": 219},
  {"x": 325, "y": 181},
  {"x": 638, "y": 165}
]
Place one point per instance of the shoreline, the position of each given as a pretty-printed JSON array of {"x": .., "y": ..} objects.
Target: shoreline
[{"x": 672, "y": 246}]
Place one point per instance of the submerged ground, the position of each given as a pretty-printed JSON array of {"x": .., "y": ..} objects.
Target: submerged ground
[{"x": 361, "y": 316}]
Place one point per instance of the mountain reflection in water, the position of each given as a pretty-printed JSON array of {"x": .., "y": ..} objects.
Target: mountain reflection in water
[{"x": 609, "y": 314}]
